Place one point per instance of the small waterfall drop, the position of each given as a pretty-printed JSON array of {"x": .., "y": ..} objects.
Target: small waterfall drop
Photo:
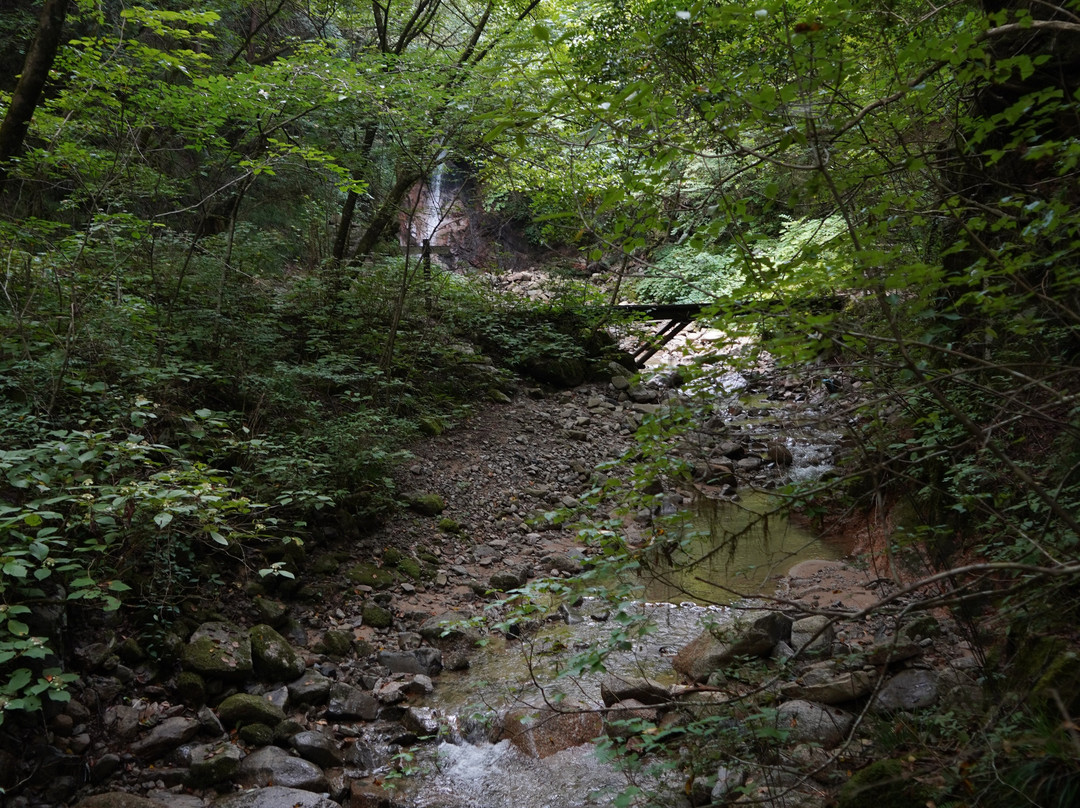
[{"x": 430, "y": 208}]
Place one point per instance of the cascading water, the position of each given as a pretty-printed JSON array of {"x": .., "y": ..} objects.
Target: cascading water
[{"x": 430, "y": 212}]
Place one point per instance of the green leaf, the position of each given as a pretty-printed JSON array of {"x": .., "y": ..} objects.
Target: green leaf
[
  {"x": 163, "y": 519},
  {"x": 18, "y": 628}
]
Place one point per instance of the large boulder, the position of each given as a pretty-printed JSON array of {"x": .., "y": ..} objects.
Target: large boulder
[
  {"x": 316, "y": 747},
  {"x": 753, "y": 634},
  {"x": 812, "y": 634},
  {"x": 220, "y": 650},
  {"x": 807, "y": 722},
  {"x": 542, "y": 732},
  {"x": 273, "y": 765},
  {"x": 245, "y": 708},
  {"x": 909, "y": 690},
  {"x": 273, "y": 659}
]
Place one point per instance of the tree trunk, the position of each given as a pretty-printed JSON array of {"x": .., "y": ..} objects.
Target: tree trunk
[
  {"x": 341, "y": 240},
  {"x": 24, "y": 100},
  {"x": 387, "y": 212}
]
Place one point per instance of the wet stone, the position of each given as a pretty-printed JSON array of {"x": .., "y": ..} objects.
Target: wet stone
[
  {"x": 311, "y": 688},
  {"x": 349, "y": 703},
  {"x": 316, "y": 747},
  {"x": 166, "y": 736},
  {"x": 213, "y": 763},
  {"x": 273, "y": 765},
  {"x": 908, "y": 690}
]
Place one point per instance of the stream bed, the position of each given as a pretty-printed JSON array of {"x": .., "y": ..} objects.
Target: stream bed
[{"x": 681, "y": 599}]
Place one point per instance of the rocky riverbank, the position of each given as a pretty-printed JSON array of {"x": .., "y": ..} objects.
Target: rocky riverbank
[{"x": 307, "y": 693}]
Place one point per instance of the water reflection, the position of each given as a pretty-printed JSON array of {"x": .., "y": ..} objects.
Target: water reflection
[{"x": 722, "y": 550}]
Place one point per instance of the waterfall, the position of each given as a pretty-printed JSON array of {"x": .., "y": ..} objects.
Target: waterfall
[{"x": 429, "y": 211}]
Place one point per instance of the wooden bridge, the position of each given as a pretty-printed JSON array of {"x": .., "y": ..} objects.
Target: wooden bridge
[
  {"x": 677, "y": 316},
  {"x": 674, "y": 316}
]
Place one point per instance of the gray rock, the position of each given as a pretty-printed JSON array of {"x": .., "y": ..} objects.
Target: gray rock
[
  {"x": 782, "y": 651},
  {"x": 213, "y": 763},
  {"x": 311, "y": 688},
  {"x": 421, "y": 721},
  {"x": 244, "y": 708},
  {"x": 727, "y": 780},
  {"x": 504, "y": 581},
  {"x": 732, "y": 450},
  {"x": 104, "y": 768},
  {"x": 122, "y": 721},
  {"x": 350, "y": 703},
  {"x": 826, "y": 687},
  {"x": 643, "y": 395},
  {"x": 427, "y": 661},
  {"x": 274, "y": 797},
  {"x": 167, "y": 799},
  {"x": 316, "y": 747},
  {"x": 908, "y": 690},
  {"x": 805, "y": 636},
  {"x": 805, "y": 721},
  {"x": 270, "y": 611},
  {"x": 562, "y": 563},
  {"x": 890, "y": 650},
  {"x": 390, "y": 691},
  {"x": 209, "y": 723},
  {"x": 271, "y": 764},
  {"x": 279, "y": 696},
  {"x": 273, "y": 659},
  {"x": 752, "y": 634},
  {"x": 220, "y": 650},
  {"x": 166, "y": 736}
]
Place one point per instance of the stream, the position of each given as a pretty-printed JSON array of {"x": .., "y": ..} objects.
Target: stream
[
  {"x": 680, "y": 599},
  {"x": 710, "y": 555}
]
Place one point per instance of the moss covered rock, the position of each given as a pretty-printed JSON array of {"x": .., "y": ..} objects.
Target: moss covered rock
[
  {"x": 244, "y": 708},
  {"x": 448, "y": 525},
  {"x": 367, "y": 574},
  {"x": 191, "y": 688},
  {"x": 273, "y": 659},
  {"x": 376, "y": 616},
  {"x": 411, "y": 568},
  {"x": 336, "y": 643},
  {"x": 883, "y": 784},
  {"x": 427, "y": 504},
  {"x": 218, "y": 649},
  {"x": 213, "y": 763},
  {"x": 256, "y": 734}
]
